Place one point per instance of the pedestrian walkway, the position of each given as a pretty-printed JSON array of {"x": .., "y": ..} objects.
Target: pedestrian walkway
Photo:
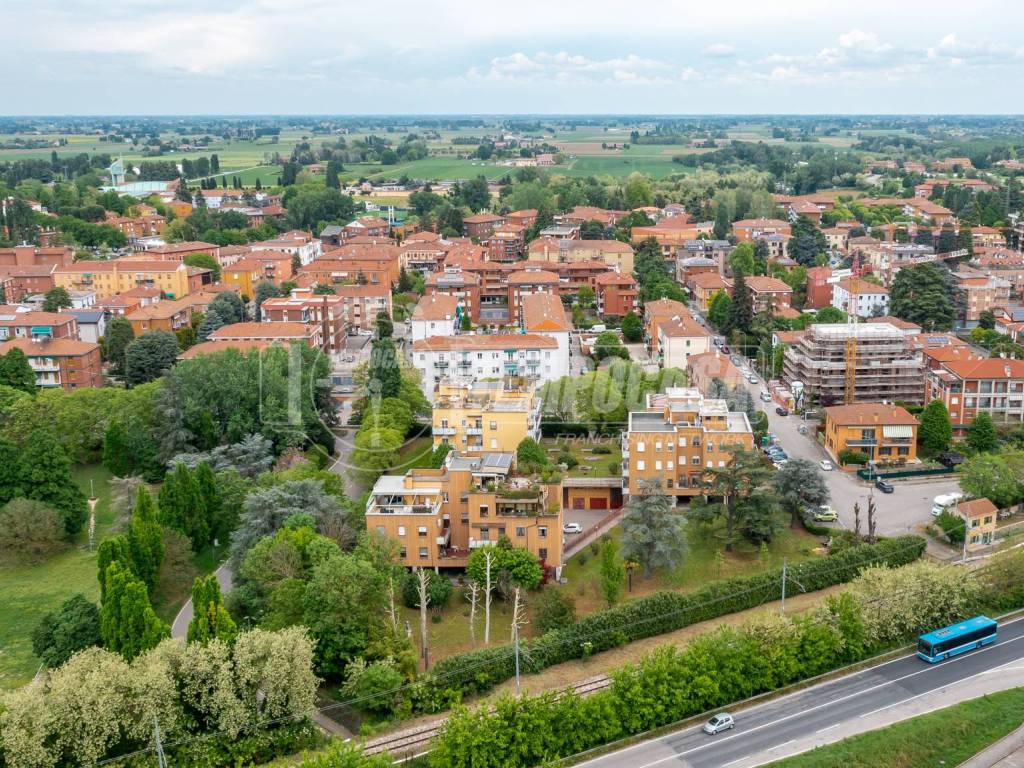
[{"x": 1008, "y": 752}]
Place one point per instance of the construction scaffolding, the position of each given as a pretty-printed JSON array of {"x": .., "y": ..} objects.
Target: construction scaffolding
[{"x": 847, "y": 363}]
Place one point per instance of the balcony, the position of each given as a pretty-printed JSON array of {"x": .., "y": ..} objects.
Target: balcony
[
  {"x": 474, "y": 430},
  {"x": 444, "y": 431},
  {"x": 478, "y": 543},
  {"x": 441, "y": 363},
  {"x": 869, "y": 443}
]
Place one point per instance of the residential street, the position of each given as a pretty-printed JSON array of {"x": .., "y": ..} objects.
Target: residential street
[
  {"x": 898, "y": 513},
  {"x": 831, "y": 711}
]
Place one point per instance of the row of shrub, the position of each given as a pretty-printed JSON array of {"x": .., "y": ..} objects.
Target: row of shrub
[
  {"x": 882, "y": 609},
  {"x": 480, "y": 670}
]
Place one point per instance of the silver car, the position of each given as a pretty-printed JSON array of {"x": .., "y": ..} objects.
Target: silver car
[{"x": 721, "y": 722}]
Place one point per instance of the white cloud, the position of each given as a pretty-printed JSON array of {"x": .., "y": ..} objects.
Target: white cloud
[
  {"x": 867, "y": 42},
  {"x": 564, "y": 67},
  {"x": 719, "y": 50}
]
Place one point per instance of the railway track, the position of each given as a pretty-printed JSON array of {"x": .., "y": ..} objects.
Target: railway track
[{"x": 412, "y": 743}]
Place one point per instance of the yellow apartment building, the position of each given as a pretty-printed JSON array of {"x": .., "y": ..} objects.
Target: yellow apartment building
[
  {"x": 484, "y": 417},
  {"x": 109, "y": 278},
  {"x": 438, "y": 516},
  {"x": 678, "y": 438},
  {"x": 882, "y": 431},
  {"x": 979, "y": 515}
]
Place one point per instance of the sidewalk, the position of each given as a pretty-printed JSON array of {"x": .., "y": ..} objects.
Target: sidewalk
[{"x": 1008, "y": 752}]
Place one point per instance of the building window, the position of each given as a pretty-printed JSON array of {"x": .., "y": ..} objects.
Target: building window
[
  {"x": 640, "y": 465},
  {"x": 423, "y": 552},
  {"x": 402, "y": 553},
  {"x": 401, "y": 530},
  {"x": 640, "y": 447},
  {"x": 520, "y": 531},
  {"x": 494, "y": 426},
  {"x": 657, "y": 465},
  {"x": 668, "y": 483},
  {"x": 422, "y": 530},
  {"x": 483, "y": 510},
  {"x": 542, "y": 553},
  {"x": 485, "y": 534},
  {"x": 657, "y": 447},
  {"x": 696, "y": 461},
  {"x": 381, "y": 530},
  {"x": 542, "y": 532},
  {"x": 494, "y": 442}
]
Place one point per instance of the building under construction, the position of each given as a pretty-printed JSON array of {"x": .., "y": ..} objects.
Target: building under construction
[{"x": 849, "y": 363}]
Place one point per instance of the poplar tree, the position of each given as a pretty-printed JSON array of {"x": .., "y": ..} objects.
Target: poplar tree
[
  {"x": 210, "y": 619},
  {"x": 128, "y": 623},
  {"x": 146, "y": 539},
  {"x": 182, "y": 507}
]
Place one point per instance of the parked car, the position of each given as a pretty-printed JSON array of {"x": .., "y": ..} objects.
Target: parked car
[
  {"x": 782, "y": 411},
  {"x": 572, "y": 528},
  {"x": 951, "y": 459},
  {"x": 721, "y": 722},
  {"x": 752, "y": 378},
  {"x": 766, "y": 396},
  {"x": 825, "y": 514},
  {"x": 826, "y": 465},
  {"x": 884, "y": 486}
]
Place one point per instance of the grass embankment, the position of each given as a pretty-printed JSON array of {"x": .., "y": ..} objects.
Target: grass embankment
[
  {"x": 451, "y": 634},
  {"x": 946, "y": 737},
  {"x": 30, "y": 590}
]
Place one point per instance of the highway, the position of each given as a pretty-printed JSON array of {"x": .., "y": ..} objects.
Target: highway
[{"x": 836, "y": 709}]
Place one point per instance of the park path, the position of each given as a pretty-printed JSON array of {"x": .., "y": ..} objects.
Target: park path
[{"x": 180, "y": 626}]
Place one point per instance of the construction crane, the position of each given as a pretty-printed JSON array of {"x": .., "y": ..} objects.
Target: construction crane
[{"x": 850, "y": 356}]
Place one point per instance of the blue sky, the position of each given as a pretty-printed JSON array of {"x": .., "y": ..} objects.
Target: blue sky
[{"x": 556, "y": 56}]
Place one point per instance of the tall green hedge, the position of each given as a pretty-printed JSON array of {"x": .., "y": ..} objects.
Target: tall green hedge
[{"x": 480, "y": 670}]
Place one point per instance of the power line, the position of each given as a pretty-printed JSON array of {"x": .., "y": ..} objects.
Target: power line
[{"x": 504, "y": 656}]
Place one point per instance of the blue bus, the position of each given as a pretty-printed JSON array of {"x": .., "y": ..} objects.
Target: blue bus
[{"x": 956, "y": 638}]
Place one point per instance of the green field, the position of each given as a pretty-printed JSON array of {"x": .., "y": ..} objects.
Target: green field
[
  {"x": 946, "y": 737},
  {"x": 29, "y": 591}
]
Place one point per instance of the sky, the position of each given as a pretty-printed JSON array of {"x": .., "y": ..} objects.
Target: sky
[{"x": 525, "y": 57}]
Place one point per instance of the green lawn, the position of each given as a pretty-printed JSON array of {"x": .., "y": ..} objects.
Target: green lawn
[
  {"x": 415, "y": 454},
  {"x": 699, "y": 564},
  {"x": 583, "y": 452},
  {"x": 29, "y": 591},
  {"x": 946, "y": 737}
]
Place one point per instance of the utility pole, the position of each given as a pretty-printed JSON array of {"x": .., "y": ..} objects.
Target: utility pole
[
  {"x": 421, "y": 589},
  {"x": 162, "y": 761},
  {"x": 783, "y": 609},
  {"x": 518, "y": 619}
]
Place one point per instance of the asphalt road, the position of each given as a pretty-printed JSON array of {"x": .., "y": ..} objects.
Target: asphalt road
[{"x": 841, "y": 706}]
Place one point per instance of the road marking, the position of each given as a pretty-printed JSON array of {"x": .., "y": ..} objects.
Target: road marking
[
  {"x": 733, "y": 762},
  {"x": 828, "y": 728},
  {"x": 791, "y": 695},
  {"x": 929, "y": 668}
]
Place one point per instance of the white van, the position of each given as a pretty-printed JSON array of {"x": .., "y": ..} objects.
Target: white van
[{"x": 946, "y": 503}]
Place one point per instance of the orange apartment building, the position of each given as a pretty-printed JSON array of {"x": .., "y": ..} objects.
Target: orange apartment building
[
  {"x": 768, "y": 292},
  {"x": 968, "y": 386},
  {"x": 438, "y": 516},
  {"x": 616, "y": 294},
  {"x": 678, "y": 438},
  {"x": 16, "y": 323},
  {"x": 883, "y": 432},
  {"x": 506, "y": 243},
  {"x": 166, "y": 315},
  {"x": 66, "y": 363},
  {"x": 481, "y": 226},
  {"x": 749, "y": 230},
  {"x": 33, "y": 256},
  {"x": 304, "y": 307},
  {"x": 269, "y": 332},
  {"x": 617, "y": 255},
  {"x": 704, "y": 285},
  {"x": 178, "y": 251}
]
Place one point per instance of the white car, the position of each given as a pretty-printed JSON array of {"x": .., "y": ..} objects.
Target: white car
[
  {"x": 752, "y": 378},
  {"x": 826, "y": 465},
  {"x": 766, "y": 397},
  {"x": 721, "y": 722},
  {"x": 572, "y": 528}
]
